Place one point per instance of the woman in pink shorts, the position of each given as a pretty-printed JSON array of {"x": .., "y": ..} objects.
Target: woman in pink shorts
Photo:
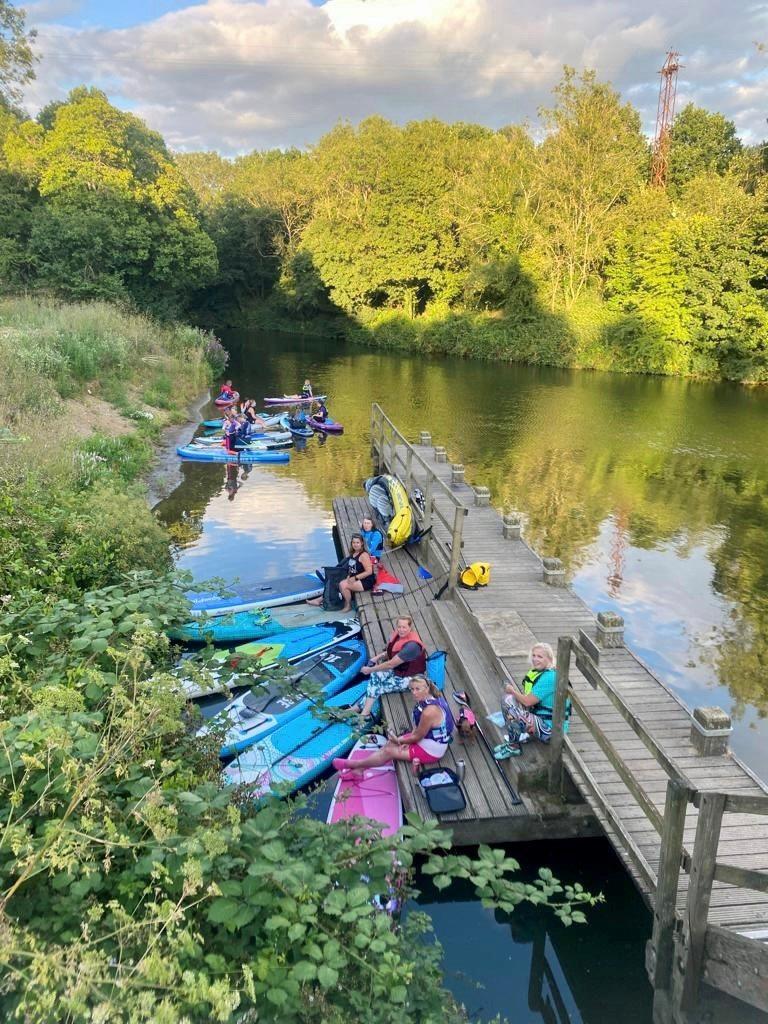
[{"x": 424, "y": 744}]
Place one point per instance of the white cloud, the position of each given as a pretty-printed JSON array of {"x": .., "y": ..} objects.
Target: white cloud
[{"x": 239, "y": 74}]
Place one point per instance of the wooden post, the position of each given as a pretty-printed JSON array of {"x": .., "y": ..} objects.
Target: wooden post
[
  {"x": 427, "y": 512},
  {"x": 702, "y": 873},
  {"x": 382, "y": 457},
  {"x": 374, "y": 452},
  {"x": 665, "y": 915},
  {"x": 408, "y": 471},
  {"x": 458, "y": 528},
  {"x": 558, "y": 713}
]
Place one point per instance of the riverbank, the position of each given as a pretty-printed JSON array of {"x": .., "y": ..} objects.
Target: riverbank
[{"x": 589, "y": 335}]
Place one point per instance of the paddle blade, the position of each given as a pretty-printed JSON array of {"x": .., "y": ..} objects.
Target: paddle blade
[{"x": 424, "y": 573}]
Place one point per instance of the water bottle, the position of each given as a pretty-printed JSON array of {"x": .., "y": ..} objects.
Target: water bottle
[{"x": 460, "y": 770}]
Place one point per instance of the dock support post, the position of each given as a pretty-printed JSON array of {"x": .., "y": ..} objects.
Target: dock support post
[
  {"x": 456, "y": 541},
  {"x": 511, "y": 526},
  {"x": 710, "y": 730},
  {"x": 482, "y": 497},
  {"x": 553, "y": 572},
  {"x": 457, "y": 474},
  {"x": 664, "y": 916},
  {"x": 610, "y": 630},
  {"x": 702, "y": 873},
  {"x": 425, "y": 439},
  {"x": 440, "y": 453},
  {"x": 558, "y": 714}
]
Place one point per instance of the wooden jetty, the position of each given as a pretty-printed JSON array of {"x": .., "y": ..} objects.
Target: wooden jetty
[{"x": 685, "y": 816}]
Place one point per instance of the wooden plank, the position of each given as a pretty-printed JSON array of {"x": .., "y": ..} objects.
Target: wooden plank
[{"x": 736, "y": 965}]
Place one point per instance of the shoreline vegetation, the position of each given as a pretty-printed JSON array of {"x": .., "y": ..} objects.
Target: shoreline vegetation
[
  {"x": 428, "y": 237},
  {"x": 132, "y": 885}
]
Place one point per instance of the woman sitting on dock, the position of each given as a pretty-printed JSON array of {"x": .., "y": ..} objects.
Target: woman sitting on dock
[
  {"x": 360, "y": 570},
  {"x": 424, "y": 744},
  {"x": 392, "y": 669},
  {"x": 529, "y": 714},
  {"x": 373, "y": 538}
]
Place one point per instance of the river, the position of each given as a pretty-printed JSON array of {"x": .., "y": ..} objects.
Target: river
[{"x": 652, "y": 491}]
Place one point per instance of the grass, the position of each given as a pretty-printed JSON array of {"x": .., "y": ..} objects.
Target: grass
[{"x": 51, "y": 350}]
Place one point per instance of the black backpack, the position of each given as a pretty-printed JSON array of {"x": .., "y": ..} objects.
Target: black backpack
[{"x": 333, "y": 575}]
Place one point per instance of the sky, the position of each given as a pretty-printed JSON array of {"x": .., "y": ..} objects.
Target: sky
[{"x": 239, "y": 75}]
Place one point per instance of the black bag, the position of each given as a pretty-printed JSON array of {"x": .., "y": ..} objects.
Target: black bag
[
  {"x": 445, "y": 796},
  {"x": 333, "y": 575}
]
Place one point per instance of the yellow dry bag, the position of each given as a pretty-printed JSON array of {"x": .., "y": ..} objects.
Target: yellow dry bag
[{"x": 476, "y": 575}]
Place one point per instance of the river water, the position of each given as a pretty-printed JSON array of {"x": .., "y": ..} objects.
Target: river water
[{"x": 653, "y": 492}]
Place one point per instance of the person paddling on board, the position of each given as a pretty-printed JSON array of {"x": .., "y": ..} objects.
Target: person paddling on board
[
  {"x": 425, "y": 743},
  {"x": 321, "y": 413},
  {"x": 227, "y": 391},
  {"x": 306, "y": 389},
  {"x": 231, "y": 428},
  {"x": 391, "y": 670},
  {"x": 254, "y": 420}
]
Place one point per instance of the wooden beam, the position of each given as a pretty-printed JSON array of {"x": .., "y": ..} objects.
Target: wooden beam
[
  {"x": 665, "y": 907},
  {"x": 699, "y": 894},
  {"x": 738, "y": 965},
  {"x": 558, "y": 712}
]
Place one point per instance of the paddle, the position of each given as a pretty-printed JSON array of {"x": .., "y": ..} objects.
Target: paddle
[{"x": 462, "y": 700}]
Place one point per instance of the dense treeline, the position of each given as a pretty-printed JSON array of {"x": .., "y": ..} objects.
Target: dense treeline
[
  {"x": 440, "y": 237},
  {"x": 453, "y": 237}
]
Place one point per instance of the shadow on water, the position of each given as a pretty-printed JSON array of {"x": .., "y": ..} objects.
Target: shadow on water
[{"x": 529, "y": 967}]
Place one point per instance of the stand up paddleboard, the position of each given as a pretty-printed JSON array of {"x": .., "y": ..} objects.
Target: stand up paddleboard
[{"x": 372, "y": 793}]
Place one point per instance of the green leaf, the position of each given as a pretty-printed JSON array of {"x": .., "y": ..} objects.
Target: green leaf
[
  {"x": 304, "y": 970},
  {"x": 222, "y": 910},
  {"x": 327, "y": 976}
]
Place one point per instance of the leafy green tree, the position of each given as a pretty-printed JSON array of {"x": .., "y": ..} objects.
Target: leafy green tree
[
  {"x": 16, "y": 56},
  {"x": 587, "y": 168},
  {"x": 701, "y": 142},
  {"x": 248, "y": 264},
  {"x": 118, "y": 220}
]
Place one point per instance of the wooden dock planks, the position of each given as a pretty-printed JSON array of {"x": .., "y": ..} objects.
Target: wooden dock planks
[{"x": 548, "y": 612}]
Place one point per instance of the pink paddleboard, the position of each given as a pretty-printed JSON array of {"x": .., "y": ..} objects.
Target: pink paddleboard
[{"x": 373, "y": 793}]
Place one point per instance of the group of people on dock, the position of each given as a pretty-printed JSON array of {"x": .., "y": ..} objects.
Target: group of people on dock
[{"x": 402, "y": 665}]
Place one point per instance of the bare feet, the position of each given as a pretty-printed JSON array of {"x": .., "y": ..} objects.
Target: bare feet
[{"x": 316, "y": 601}]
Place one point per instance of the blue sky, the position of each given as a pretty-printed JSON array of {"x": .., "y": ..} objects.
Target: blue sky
[{"x": 236, "y": 75}]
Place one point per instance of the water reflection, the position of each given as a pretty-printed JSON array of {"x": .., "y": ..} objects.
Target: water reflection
[
  {"x": 529, "y": 967},
  {"x": 654, "y": 493}
]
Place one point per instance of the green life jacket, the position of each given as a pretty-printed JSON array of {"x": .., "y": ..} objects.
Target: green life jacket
[{"x": 530, "y": 679}]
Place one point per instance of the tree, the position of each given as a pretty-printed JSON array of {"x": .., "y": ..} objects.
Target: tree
[
  {"x": 701, "y": 142},
  {"x": 118, "y": 219},
  {"x": 585, "y": 172},
  {"x": 16, "y": 56}
]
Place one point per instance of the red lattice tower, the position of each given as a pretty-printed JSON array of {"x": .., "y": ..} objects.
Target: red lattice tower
[{"x": 665, "y": 115}]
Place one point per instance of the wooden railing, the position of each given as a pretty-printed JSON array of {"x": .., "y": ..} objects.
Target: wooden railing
[
  {"x": 696, "y": 936},
  {"x": 392, "y": 451}
]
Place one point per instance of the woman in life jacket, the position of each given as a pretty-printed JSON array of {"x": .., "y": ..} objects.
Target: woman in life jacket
[
  {"x": 529, "y": 714},
  {"x": 230, "y": 432},
  {"x": 321, "y": 413},
  {"x": 425, "y": 743},
  {"x": 306, "y": 389},
  {"x": 359, "y": 572},
  {"x": 391, "y": 670},
  {"x": 374, "y": 541}
]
